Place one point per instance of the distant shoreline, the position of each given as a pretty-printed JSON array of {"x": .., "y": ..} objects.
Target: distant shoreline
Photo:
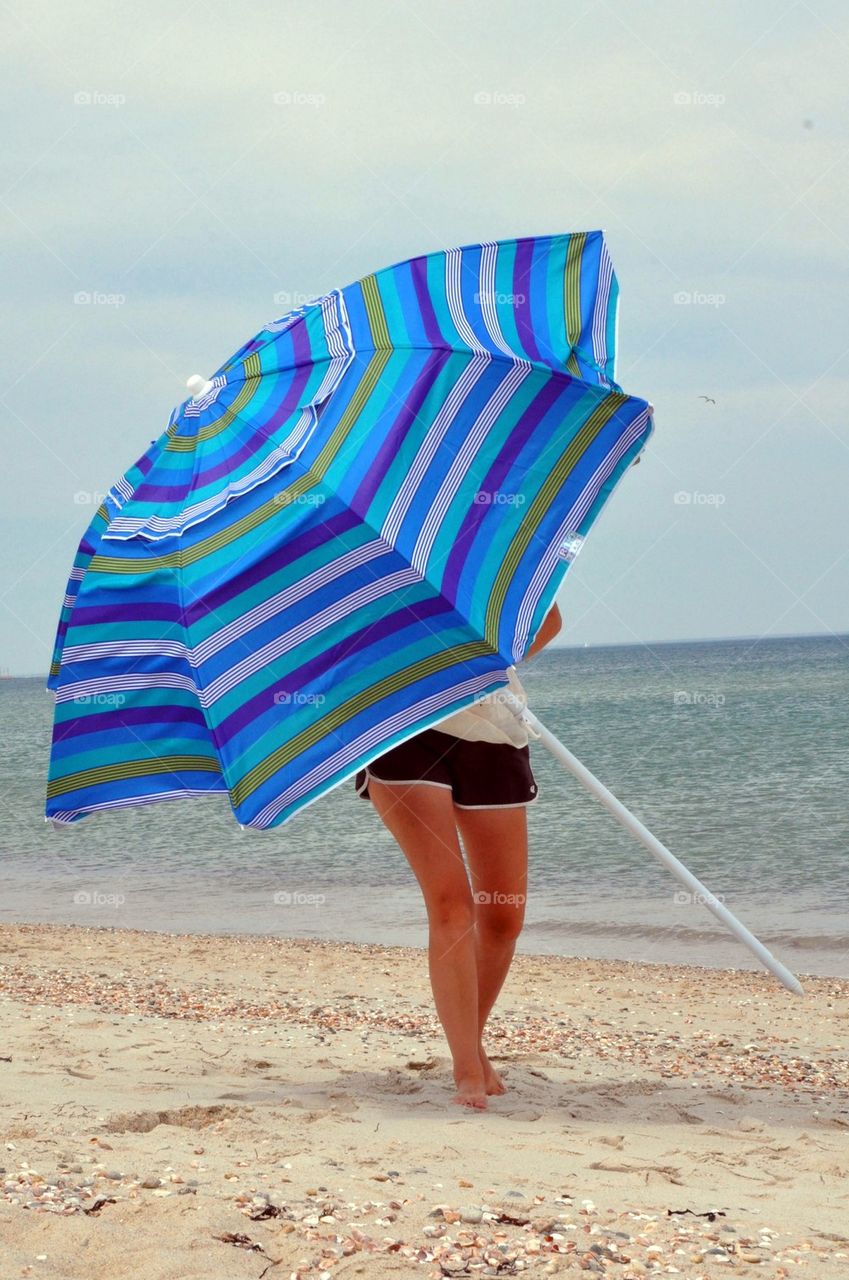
[{"x": 642, "y": 644}]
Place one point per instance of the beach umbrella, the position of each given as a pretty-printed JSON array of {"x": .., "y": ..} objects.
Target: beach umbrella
[{"x": 349, "y": 532}]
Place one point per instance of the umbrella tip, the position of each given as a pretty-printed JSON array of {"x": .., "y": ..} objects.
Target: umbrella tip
[{"x": 198, "y": 385}]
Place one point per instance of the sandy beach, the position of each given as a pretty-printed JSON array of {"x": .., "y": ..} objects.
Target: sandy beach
[{"x": 190, "y": 1106}]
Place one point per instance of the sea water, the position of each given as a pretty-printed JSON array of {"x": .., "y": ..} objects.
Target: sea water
[{"x": 734, "y": 753}]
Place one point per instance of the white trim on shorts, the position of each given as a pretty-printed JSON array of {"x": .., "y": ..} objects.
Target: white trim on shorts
[
  {"x": 520, "y": 804},
  {"x": 403, "y": 782}
]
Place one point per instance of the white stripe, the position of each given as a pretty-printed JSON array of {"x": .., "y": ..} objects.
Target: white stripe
[
  {"x": 576, "y": 514},
  {"x": 488, "y": 304},
  {"x": 107, "y": 684},
  {"x": 602, "y": 299},
  {"x": 453, "y": 296},
  {"x": 464, "y": 459},
  {"x": 305, "y": 631},
  {"x": 457, "y": 397},
  {"x": 126, "y": 649},
  {"x": 66, "y": 816}
]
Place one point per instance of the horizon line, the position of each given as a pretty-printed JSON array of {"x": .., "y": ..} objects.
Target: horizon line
[{"x": 612, "y": 644}]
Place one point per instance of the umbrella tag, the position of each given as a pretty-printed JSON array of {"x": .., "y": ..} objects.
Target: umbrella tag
[{"x": 571, "y": 546}]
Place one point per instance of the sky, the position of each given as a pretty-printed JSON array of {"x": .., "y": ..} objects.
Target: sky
[{"x": 179, "y": 175}]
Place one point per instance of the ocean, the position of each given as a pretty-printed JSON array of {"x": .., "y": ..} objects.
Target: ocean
[{"x": 735, "y": 753}]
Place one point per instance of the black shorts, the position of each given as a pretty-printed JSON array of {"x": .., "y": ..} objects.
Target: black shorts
[{"x": 479, "y": 775}]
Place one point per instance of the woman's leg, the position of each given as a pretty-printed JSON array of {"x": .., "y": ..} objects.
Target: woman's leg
[
  {"x": 496, "y": 844},
  {"x": 421, "y": 818}
]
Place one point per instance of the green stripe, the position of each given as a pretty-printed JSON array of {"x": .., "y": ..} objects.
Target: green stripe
[
  {"x": 597, "y": 420},
  {"x": 341, "y": 714},
  {"x": 572, "y": 297},
  {"x": 131, "y": 769},
  {"x": 374, "y": 311},
  {"x": 268, "y": 511}
]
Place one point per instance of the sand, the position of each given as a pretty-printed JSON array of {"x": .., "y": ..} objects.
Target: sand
[{"x": 188, "y": 1106}]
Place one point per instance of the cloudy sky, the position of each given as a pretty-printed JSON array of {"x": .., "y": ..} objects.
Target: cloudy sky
[{"x": 179, "y": 174}]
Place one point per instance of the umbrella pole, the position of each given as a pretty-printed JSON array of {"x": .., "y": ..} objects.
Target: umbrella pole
[{"x": 654, "y": 846}]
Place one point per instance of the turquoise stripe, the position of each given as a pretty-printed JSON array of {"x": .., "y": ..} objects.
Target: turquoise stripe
[{"x": 394, "y": 308}]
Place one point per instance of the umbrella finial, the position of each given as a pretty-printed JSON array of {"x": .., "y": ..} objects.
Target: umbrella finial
[{"x": 198, "y": 385}]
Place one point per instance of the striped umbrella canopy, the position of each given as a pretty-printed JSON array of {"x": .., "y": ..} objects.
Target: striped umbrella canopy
[{"x": 348, "y": 533}]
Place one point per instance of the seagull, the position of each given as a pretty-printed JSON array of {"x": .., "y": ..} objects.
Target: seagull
[{"x": 709, "y": 399}]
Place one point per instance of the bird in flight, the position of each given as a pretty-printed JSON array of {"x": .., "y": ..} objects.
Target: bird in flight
[{"x": 709, "y": 399}]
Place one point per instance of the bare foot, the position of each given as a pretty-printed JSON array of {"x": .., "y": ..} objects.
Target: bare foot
[
  {"x": 492, "y": 1080},
  {"x": 471, "y": 1091}
]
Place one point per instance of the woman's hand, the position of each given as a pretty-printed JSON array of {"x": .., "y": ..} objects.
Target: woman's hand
[{"x": 552, "y": 622}]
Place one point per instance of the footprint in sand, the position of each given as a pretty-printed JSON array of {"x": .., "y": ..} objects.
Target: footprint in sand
[
  {"x": 519, "y": 1114},
  {"x": 183, "y": 1117},
  {"x": 343, "y": 1102}
]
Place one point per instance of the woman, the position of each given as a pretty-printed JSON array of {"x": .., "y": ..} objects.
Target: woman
[{"x": 471, "y": 778}]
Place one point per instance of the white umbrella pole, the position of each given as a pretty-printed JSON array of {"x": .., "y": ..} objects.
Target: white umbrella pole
[{"x": 654, "y": 846}]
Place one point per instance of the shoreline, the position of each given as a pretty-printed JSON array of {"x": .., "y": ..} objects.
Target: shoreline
[
  {"x": 214, "y": 1104},
  {"x": 808, "y": 955}
]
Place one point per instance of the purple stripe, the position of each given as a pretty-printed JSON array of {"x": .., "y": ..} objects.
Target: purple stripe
[
  {"x": 522, "y": 289},
  {"x": 418, "y": 271},
  {"x": 277, "y": 558},
  {"x": 106, "y": 721},
  {"x": 519, "y": 436},
  {"x": 411, "y": 407},
  {"x": 142, "y": 611},
  {"x": 324, "y": 663}
]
